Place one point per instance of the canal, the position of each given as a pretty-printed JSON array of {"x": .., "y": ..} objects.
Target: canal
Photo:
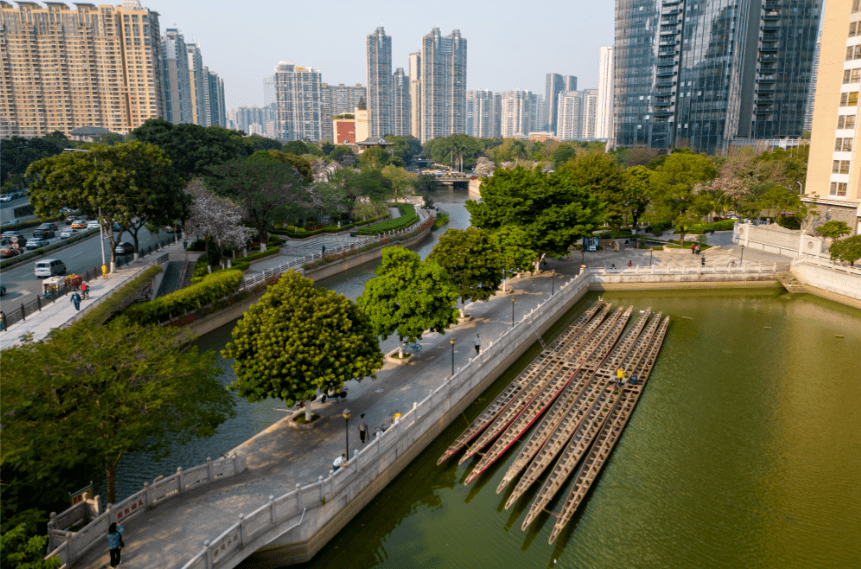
[{"x": 742, "y": 451}]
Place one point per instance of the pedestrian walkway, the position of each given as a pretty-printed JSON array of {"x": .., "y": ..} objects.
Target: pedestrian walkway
[{"x": 61, "y": 312}]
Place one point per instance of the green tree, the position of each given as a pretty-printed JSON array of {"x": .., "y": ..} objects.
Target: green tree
[
  {"x": 270, "y": 191},
  {"x": 562, "y": 154},
  {"x": 401, "y": 179},
  {"x": 18, "y": 153},
  {"x": 295, "y": 147},
  {"x": 550, "y": 207},
  {"x": 298, "y": 340},
  {"x": 303, "y": 167},
  {"x": 425, "y": 183},
  {"x": 606, "y": 180},
  {"x": 408, "y": 297},
  {"x": 453, "y": 150},
  {"x": 834, "y": 229},
  {"x": 848, "y": 250},
  {"x": 256, "y": 142},
  {"x": 192, "y": 148},
  {"x": 404, "y": 147},
  {"x": 132, "y": 184},
  {"x": 91, "y": 394},
  {"x": 511, "y": 241},
  {"x": 340, "y": 152},
  {"x": 20, "y": 548},
  {"x": 778, "y": 200},
  {"x": 473, "y": 261},
  {"x": 636, "y": 189},
  {"x": 366, "y": 183},
  {"x": 377, "y": 157},
  {"x": 672, "y": 185}
]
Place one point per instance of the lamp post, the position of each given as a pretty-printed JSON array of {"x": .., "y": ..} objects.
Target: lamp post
[
  {"x": 651, "y": 252},
  {"x": 347, "y": 430},
  {"x": 512, "y": 313},
  {"x": 452, "y": 356},
  {"x": 552, "y": 283},
  {"x": 742, "y": 256}
]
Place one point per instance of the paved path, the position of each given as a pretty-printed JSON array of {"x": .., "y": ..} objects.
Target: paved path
[
  {"x": 54, "y": 315},
  {"x": 280, "y": 457}
]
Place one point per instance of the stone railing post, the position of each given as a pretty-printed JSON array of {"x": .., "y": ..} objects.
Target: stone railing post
[
  {"x": 208, "y": 469},
  {"x": 147, "y": 496},
  {"x": 208, "y": 555},
  {"x": 241, "y": 530},
  {"x": 320, "y": 484},
  {"x": 179, "y": 477}
]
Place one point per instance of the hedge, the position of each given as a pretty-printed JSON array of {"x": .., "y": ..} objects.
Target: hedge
[
  {"x": 103, "y": 312},
  {"x": 725, "y": 225},
  {"x": 42, "y": 251},
  {"x": 407, "y": 218},
  {"x": 211, "y": 289},
  {"x": 441, "y": 221},
  {"x": 294, "y": 232},
  {"x": 240, "y": 263}
]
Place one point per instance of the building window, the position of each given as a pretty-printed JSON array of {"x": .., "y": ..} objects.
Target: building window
[
  {"x": 852, "y": 29},
  {"x": 838, "y": 144},
  {"x": 846, "y": 121},
  {"x": 855, "y": 76},
  {"x": 849, "y": 99},
  {"x": 838, "y": 189}
]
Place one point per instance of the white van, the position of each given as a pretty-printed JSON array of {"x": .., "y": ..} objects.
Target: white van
[{"x": 50, "y": 267}]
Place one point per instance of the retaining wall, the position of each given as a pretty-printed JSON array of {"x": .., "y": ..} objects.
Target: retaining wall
[{"x": 829, "y": 277}]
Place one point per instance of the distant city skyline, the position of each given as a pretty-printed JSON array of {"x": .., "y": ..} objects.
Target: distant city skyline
[{"x": 510, "y": 48}]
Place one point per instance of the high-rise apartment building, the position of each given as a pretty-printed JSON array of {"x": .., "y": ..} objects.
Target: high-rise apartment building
[
  {"x": 379, "y": 73},
  {"x": 553, "y": 86},
  {"x": 337, "y": 100},
  {"x": 268, "y": 90},
  {"x": 482, "y": 114},
  {"x": 258, "y": 119},
  {"x": 834, "y": 165},
  {"x": 416, "y": 95},
  {"x": 217, "y": 113},
  {"x": 401, "y": 104},
  {"x": 570, "y": 121},
  {"x": 700, "y": 73},
  {"x": 298, "y": 94},
  {"x": 604, "y": 118},
  {"x": 518, "y": 110},
  {"x": 177, "y": 88},
  {"x": 443, "y": 85},
  {"x": 590, "y": 113},
  {"x": 199, "y": 83},
  {"x": 569, "y": 83},
  {"x": 93, "y": 66}
]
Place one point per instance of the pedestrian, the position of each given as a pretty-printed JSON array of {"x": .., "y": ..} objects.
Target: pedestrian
[
  {"x": 104, "y": 271},
  {"x": 630, "y": 264},
  {"x": 339, "y": 462},
  {"x": 620, "y": 376},
  {"x": 76, "y": 300},
  {"x": 115, "y": 543},
  {"x": 2, "y": 321},
  {"x": 477, "y": 344},
  {"x": 693, "y": 248},
  {"x": 363, "y": 429},
  {"x": 85, "y": 290},
  {"x": 702, "y": 261},
  {"x": 698, "y": 249}
]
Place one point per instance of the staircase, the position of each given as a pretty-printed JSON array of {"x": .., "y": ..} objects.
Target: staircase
[{"x": 790, "y": 283}]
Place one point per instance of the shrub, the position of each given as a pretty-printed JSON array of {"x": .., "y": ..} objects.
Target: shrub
[
  {"x": 103, "y": 312},
  {"x": 408, "y": 217},
  {"x": 441, "y": 221},
  {"x": 789, "y": 222},
  {"x": 240, "y": 263},
  {"x": 211, "y": 289}
]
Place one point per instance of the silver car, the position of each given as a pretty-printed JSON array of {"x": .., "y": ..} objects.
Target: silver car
[{"x": 36, "y": 242}]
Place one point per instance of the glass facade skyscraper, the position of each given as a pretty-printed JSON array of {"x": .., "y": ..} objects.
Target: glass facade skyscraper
[{"x": 699, "y": 74}]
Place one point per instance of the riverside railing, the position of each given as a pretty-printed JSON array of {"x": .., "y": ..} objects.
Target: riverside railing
[
  {"x": 828, "y": 264},
  {"x": 682, "y": 269},
  {"x": 324, "y": 498},
  {"x": 71, "y": 546}
]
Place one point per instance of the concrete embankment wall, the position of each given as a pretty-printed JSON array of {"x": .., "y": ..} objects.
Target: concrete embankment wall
[{"x": 834, "y": 282}]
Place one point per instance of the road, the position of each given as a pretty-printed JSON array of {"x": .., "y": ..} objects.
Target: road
[
  {"x": 7, "y": 210},
  {"x": 23, "y": 286}
]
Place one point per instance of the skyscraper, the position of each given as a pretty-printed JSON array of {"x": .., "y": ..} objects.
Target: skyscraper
[
  {"x": 604, "y": 118},
  {"x": 217, "y": 114},
  {"x": 553, "y": 87},
  {"x": 401, "y": 107},
  {"x": 177, "y": 89},
  {"x": 443, "y": 85},
  {"x": 336, "y": 100},
  {"x": 699, "y": 74},
  {"x": 198, "y": 83},
  {"x": 93, "y": 66},
  {"x": 590, "y": 113},
  {"x": 298, "y": 94},
  {"x": 268, "y": 90},
  {"x": 482, "y": 116},
  {"x": 379, "y": 73},
  {"x": 834, "y": 167},
  {"x": 570, "y": 122},
  {"x": 569, "y": 83},
  {"x": 416, "y": 95},
  {"x": 517, "y": 113}
]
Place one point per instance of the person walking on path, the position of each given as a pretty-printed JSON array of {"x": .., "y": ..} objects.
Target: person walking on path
[
  {"x": 104, "y": 271},
  {"x": 76, "y": 300},
  {"x": 115, "y": 543},
  {"x": 85, "y": 290},
  {"x": 698, "y": 249},
  {"x": 477, "y": 344},
  {"x": 703, "y": 261},
  {"x": 2, "y": 321},
  {"x": 693, "y": 248},
  {"x": 363, "y": 429},
  {"x": 339, "y": 462}
]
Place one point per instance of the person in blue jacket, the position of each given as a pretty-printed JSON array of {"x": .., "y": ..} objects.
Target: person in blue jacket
[{"x": 115, "y": 543}]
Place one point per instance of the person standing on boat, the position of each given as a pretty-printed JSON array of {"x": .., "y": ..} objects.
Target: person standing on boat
[{"x": 620, "y": 377}]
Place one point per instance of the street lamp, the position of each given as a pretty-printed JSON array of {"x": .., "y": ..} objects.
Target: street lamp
[
  {"x": 452, "y": 356},
  {"x": 512, "y": 312},
  {"x": 347, "y": 431},
  {"x": 742, "y": 256}
]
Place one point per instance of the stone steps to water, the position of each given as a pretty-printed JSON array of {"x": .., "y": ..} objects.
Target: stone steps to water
[{"x": 790, "y": 283}]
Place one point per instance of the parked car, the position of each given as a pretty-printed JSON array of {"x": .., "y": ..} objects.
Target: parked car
[
  {"x": 7, "y": 252},
  {"x": 49, "y": 225},
  {"x": 93, "y": 224},
  {"x": 79, "y": 224},
  {"x": 6, "y": 198},
  {"x": 66, "y": 233},
  {"x": 124, "y": 248},
  {"x": 12, "y": 237},
  {"x": 49, "y": 268},
  {"x": 43, "y": 233},
  {"x": 117, "y": 228},
  {"x": 37, "y": 242}
]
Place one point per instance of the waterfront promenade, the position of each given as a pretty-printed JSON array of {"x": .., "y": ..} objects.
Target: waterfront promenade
[{"x": 280, "y": 457}]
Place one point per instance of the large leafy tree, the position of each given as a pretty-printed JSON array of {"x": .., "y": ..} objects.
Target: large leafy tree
[
  {"x": 300, "y": 163},
  {"x": 472, "y": 260},
  {"x": 408, "y": 296},
  {"x": 20, "y": 548},
  {"x": 404, "y": 147},
  {"x": 298, "y": 340},
  {"x": 132, "y": 184},
  {"x": 834, "y": 229},
  {"x": 270, "y": 191},
  {"x": 601, "y": 174},
  {"x": 18, "y": 153},
  {"x": 848, "y": 250},
  {"x": 549, "y": 206},
  {"x": 216, "y": 219},
  {"x": 401, "y": 179},
  {"x": 513, "y": 250},
  {"x": 193, "y": 148},
  {"x": 90, "y": 394},
  {"x": 672, "y": 187},
  {"x": 453, "y": 150},
  {"x": 636, "y": 188}
]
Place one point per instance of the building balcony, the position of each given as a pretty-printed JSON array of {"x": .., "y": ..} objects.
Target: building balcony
[
  {"x": 761, "y": 111},
  {"x": 767, "y": 91},
  {"x": 770, "y": 27},
  {"x": 667, "y": 52},
  {"x": 670, "y": 12},
  {"x": 768, "y": 49},
  {"x": 663, "y": 113},
  {"x": 665, "y": 83},
  {"x": 765, "y": 79},
  {"x": 771, "y": 15},
  {"x": 666, "y": 72}
]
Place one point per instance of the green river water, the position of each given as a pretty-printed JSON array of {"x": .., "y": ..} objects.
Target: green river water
[{"x": 743, "y": 452}]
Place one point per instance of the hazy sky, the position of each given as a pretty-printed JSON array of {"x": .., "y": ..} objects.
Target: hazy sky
[{"x": 510, "y": 44}]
